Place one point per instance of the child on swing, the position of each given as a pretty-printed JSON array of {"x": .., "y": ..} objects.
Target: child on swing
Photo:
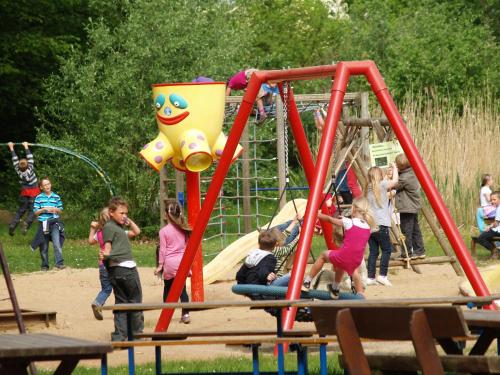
[{"x": 350, "y": 255}]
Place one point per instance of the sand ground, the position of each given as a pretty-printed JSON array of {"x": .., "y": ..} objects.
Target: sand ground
[{"x": 70, "y": 292}]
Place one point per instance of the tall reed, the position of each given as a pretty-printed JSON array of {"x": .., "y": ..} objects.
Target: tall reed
[{"x": 458, "y": 146}]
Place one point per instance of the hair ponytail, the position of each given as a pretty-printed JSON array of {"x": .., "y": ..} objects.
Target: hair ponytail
[
  {"x": 175, "y": 217},
  {"x": 373, "y": 183}
]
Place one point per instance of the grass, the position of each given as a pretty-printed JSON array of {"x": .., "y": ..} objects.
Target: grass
[{"x": 224, "y": 364}]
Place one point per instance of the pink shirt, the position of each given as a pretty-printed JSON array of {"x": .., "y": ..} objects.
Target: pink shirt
[
  {"x": 172, "y": 245},
  {"x": 238, "y": 81}
]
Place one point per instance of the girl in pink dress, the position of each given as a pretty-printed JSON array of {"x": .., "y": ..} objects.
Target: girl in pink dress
[
  {"x": 350, "y": 255},
  {"x": 173, "y": 239}
]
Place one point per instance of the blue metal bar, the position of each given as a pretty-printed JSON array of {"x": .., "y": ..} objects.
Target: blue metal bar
[
  {"x": 104, "y": 364},
  {"x": 281, "y": 352},
  {"x": 323, "y": 364},
  {"x": 301, "y": 360},
  {"x": 158, "y": 360},
  {"x": 131, "y": 359},
  {"x": 255, "y": 359}
]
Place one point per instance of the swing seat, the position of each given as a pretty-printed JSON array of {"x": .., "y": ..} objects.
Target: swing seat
[{"x": 269, "y": 292}]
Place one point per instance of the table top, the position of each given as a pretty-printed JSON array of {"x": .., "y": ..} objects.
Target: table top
[
  {"x": 482, "y": 318},
  {"x": 41, "y": 345}
]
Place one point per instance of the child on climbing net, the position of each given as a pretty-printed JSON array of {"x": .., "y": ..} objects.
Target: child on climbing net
[{"x": 350, "y": 255}]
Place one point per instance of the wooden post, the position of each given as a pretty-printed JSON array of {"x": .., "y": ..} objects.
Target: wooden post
[
  {"x": 280, "y": 148},
  {"x": 245, "y": 166},
  {"x": 444, "y": 245}
]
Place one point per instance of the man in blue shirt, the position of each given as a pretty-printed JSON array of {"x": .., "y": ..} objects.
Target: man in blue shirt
[{"x": 47, "y": 209}]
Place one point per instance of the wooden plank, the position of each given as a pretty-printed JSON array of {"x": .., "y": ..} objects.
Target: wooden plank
[
  {"x": 424, "y": 345},
  {"x": 459, "y": 300},
  {"x": 482, "y": 318},
  {"x": 184, "y": 335},
  {"x": 228, "y": 341}
]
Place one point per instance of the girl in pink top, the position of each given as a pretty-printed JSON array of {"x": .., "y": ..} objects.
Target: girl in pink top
[
  {"x": 173, "y": 239},
  {"x": 350, "y": 255}
]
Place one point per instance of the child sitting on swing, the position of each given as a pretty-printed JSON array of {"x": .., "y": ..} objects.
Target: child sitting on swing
[{"x": 350, "y": 255}]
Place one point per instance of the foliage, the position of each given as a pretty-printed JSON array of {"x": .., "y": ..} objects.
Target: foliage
[{"x": 424, "y": 46}]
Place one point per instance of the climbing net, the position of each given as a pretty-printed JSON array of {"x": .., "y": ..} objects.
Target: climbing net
[{"x": 250, "y": 192}]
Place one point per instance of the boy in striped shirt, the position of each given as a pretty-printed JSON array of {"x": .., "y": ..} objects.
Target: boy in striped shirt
[
  {"x": 47, "y": 208},
  {"x": 25, "y": 169}
]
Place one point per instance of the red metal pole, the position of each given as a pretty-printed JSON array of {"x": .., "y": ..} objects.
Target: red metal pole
[
  {"x": 425, "y": 179},
  {"x": 211, "y": 198},
  {"x": 316, "y": 190},
  {"x": 193, "y": 208},
  {"x": 306, "y": 159}
]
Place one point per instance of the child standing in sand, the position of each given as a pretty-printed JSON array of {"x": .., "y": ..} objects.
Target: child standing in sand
[{"x": 173, "y": 240}]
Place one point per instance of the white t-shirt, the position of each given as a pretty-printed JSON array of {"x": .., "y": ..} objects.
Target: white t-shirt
[
  {"x": 483, "y": 195},
  {"x": 497, "y": 219},
  {"x": 348, "y": 223}
]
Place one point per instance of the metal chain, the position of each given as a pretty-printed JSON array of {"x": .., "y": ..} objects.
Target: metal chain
[{"x": 285, "y": 126}]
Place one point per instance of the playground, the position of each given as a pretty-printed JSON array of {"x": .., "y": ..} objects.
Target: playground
[{"x": 76, "y": 287}]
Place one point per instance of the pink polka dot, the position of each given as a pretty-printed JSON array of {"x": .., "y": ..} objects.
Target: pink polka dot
[
  {"x": 183, "y": 143},
  {"x": 159, "y": 145},
  {"x": 145, "y": 146},
  {"x": 158, "y": 159},
  {"x": 201, "y": 137},
  {"x": 193, "y": 145},
  {"x": 218, "y": 152}
]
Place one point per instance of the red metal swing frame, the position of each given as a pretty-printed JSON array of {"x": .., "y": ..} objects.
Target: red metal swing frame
[{"x": 316, "y": 172}]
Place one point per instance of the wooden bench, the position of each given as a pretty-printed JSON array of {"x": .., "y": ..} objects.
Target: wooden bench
[
  {"x": 495, "y": 252},
  {"x": 422, "y": 326}
]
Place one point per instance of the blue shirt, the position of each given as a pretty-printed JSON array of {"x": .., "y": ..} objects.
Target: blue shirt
[{"x": 42, "y": 200}]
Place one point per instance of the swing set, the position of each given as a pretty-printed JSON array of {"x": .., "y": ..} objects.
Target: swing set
[{"x": 316, "y": 171}]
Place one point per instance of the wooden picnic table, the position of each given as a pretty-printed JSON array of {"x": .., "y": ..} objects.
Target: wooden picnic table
[
  {"x": 18, "y": 350},
  {"x": 488, "y": 324}
]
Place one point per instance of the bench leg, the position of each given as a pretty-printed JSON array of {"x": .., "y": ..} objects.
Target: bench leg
[
  {"x": 301, "y": 360},
  {"x": 323, "y": 363},
  {"x": 255, "y": 359},
  {"x": 158, "y": 360},
  {"x": 104, "y": 365}
]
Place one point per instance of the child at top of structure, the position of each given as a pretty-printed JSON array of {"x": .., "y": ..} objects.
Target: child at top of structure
[
  {"x": 260, "y": 264},
  {"x": 350, "y": 255},
  {"x": 266, "y": 93},
  {"x": 408, "y": 203},
  {"x": 376, "y": 191},
  {"x": 486, "y": 238},
  {"x": 122, "y": 269},
  {"x": 25, "y": 169},
  {"x": 96, "y": 237},
  {"x": 173, "y": 240}
]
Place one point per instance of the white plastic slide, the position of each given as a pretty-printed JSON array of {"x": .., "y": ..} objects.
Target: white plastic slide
[{"x": 220, "y": 267}]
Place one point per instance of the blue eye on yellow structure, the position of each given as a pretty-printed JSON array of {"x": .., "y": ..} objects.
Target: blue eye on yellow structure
[{"x": 190, "y": 126}]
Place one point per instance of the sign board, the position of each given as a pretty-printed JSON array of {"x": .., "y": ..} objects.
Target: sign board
[{"x": 383, "y": 154}]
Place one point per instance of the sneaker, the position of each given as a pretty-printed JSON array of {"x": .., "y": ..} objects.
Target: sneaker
[
  {"x": 371, "y": 281},
  {"x": 185, "y": 319},
  {"x": 44, "y": 269},
  {"x": 413, "y": 256},
  {"x": 334, "y": 293},
  {"x": 11, "y": 231},
  {"x": 420, "y": 256},
  {"x": 306, "y": 285},
  {"x": 383, "y": 280},
  {"x": 60, "y": 267},
  {"x": 96, "y": 309}
]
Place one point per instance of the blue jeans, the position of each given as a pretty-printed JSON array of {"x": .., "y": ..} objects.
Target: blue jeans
[
  {"x": 294, "y": 233},
  {"x": 281, "y": 281},
  {"x": 380, "y": 238},
  {"x": 44, "y": 252},
  {"x": 106, "y": 287}
]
